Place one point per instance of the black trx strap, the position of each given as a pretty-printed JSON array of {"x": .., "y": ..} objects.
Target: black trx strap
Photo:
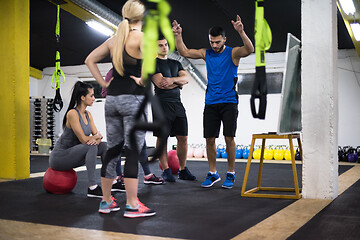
[
  {"x": 146, "y": 126},
  {"x": 259, "y": 91},
  {"x": 262, "y": 43},
  {"x": 155, "y": 20}
]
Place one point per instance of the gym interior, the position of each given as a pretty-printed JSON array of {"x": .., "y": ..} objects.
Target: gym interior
[{"x": 323, "y": 204}]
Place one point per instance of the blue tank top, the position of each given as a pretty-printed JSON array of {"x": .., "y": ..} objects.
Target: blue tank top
[
  {"x": 69, "y": 139},
  {"x": 222, "y": 77}
]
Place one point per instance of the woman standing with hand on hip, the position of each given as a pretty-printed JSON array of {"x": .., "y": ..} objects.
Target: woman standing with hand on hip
[{"x": 123, "y": 100}]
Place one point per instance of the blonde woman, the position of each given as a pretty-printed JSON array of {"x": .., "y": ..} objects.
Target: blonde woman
[{"x": 125, "y": 93}]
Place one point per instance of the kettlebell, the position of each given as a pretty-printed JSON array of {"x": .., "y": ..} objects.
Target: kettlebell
[
  {"x": 224, "y": 153},
  {"x": 278, "y": 154},
  {"x": 190, "y": 152},
  {"x": 269, "y": 153},
  {"x": 257, "y": 152},
  {"x": 239, "y": 151},
  {"x": 352, "y": 155},
  {"x": 297, "y": 154},
  {"x": 246, "y": 152},
  {"x": 287, "y": 154},
  {"x": 358, "y": 153}
]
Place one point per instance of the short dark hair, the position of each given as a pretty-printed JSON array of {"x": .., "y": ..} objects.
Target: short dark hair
[
  {"x": 217, "y": 31},
  {"x": 161, "y": 37}
]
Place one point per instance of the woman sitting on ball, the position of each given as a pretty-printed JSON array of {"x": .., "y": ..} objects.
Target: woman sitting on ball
[{"x": 80, "y": 142}]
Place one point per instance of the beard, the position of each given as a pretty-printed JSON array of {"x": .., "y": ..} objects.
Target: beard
[{"x": 218, "y": 50}]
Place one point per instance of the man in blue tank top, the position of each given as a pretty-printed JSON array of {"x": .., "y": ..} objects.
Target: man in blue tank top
[{"x": 221, "y": 98}]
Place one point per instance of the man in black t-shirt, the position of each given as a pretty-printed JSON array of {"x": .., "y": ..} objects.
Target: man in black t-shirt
[{"x": 168, "y": 80}]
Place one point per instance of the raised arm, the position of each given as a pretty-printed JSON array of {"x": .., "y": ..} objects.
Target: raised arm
[
  {"x": 181, "y": 47},
  {"x": 96, "y": 56},
  {"x": 248, "y": 48}
]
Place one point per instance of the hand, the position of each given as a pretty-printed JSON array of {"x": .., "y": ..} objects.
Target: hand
[
  {"x": 139, "y": 81},
  {"x": 91, "y": 142},
  {"x": 98, "y": 135},
  {"x": 165, "y": 82},
  {"x": 108, "y": 82},
  {"x": 238, "y": 26},
  {"x": 176, "y": 28}
]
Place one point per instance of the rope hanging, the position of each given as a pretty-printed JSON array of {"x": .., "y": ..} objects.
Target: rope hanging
[
  {"x": 58, "y": 103},
  {"x": 263, "y": 40},
  {"x": 156, "y": 18}
]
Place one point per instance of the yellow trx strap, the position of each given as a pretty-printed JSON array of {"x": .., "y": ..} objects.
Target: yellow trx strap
[
  {"x": 263, "y": 40},
  {"x": 157, "y": 17},
  {"x": 58, "y": 103}
]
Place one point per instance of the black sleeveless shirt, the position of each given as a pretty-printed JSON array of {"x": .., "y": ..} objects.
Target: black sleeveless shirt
[{"x": 124, "y": 84}]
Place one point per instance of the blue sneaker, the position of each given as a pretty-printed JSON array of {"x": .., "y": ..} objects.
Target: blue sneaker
[
  {"x": 108, "y": 207},
  {"x": 211, "y": 179},
  {"x": 229, "y": 181}
]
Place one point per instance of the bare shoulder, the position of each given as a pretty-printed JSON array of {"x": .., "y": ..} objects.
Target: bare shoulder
[
  {"x": 72, "y": 116},
  {"x": 72, "y": 113},
  {"x": 136, "y": 34},
  {"x": 89, "y": 113}
]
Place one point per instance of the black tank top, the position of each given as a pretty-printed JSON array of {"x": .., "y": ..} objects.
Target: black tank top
[{"x": 124, "y": 84}]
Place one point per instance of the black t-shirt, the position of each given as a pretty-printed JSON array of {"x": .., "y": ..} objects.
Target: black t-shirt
[{"x": 168, "y": 68}]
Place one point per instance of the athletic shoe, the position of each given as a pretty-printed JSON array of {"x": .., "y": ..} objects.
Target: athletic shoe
[
  {"x": 108, "y": 207},
  {"x": 140, "y": 211},
  {"x": 229, "y": 181},
  {"x": 167, "y": 175},
  {"x": 153, "y": 180},
  {"x": 211, "y": 179},
  {"x": 119, "y": 186},
  {"x": 185, "y": 174},
  {"x": 97, "y": 192}
]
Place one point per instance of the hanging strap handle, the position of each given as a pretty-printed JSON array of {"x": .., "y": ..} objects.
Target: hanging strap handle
[
  {"x": 58, "y": 103},
  {"x": 263, "y": 40}
]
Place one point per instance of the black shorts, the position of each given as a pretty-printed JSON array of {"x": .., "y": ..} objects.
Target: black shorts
[
  {"x": 214, "y": 114},
  {"x": 176, "y": 120}
]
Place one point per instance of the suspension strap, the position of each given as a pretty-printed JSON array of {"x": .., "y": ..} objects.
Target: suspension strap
[
  {"x": 263, "y": 40},
  {"x": 58, "y": 103},
  {"x": 155, "y": 20}
]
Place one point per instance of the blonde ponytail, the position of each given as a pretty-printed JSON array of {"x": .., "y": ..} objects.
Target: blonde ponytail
[
  {"x": 132, "y": 12},
  {"x": 119, "y": 44}
]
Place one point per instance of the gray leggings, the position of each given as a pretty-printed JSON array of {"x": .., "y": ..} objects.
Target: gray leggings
[
  {"x": 76, "y": 156},
  {"x": 120, "y": 114}
]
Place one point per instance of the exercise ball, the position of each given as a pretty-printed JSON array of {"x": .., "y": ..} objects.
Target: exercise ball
[
  {"x": 173, "y": 162},
  {"x": 59, "y": 182}
]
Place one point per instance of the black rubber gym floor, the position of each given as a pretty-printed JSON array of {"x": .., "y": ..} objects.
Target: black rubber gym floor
[{"x": 184, "y": 209}]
